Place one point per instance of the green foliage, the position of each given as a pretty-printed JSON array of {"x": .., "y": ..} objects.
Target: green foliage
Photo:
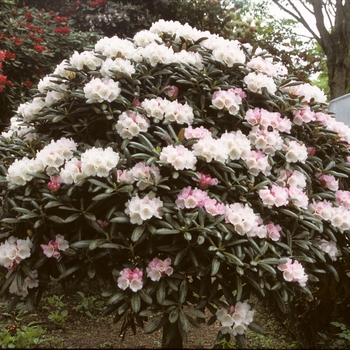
[
  {"x": 25, "y": 337},
  {"x": 125, "y": 18},
  {"x": 88, "y": 305},
  {"x": 340, "y": 340},
  {"x": 58, "y": 314},
  {"x": 21, "y": 330}
]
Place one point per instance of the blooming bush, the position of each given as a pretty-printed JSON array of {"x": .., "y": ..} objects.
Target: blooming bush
[
  {"x": 179, "y": 175},
  {"x": 32, "y": 42}
]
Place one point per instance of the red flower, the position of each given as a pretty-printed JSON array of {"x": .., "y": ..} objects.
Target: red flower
[
  {"x": 3, "y": 79},
  {"x": 28, "y": 84},
  {"x": 29, "y": 17},
  {"x": 2, "y": 55},
  {"x": 10, "y": 56},
  {"x": 39, "y": 71},
  {"x": 0, "y": 65},
  {"x": 77, "y": 3},
  {"x": 37, "y": 39},
  {"x": 39, "y": 48},
  {"x": 62, "y": 30},
  {"x": 52, "y": 13},
  {"x": 9, "y": 83},
  {"x": 97, "y": 3},
  {"x": 61, "y": 19}
]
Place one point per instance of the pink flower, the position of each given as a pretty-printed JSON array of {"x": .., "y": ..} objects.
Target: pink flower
[
  {"x": 53, "y": 248},
  {"x": 328, "y": 181},
  {"x": 205, "y": 180},
  {"x": 293, "y": 272},
  {"x": 171, "y": 91},
  {"x": 130, "y": 279},
  {"x": 273, "y": 231},
  {"x": 277, "y": 196},
  {"x": 55, "y": 184},
  {"x": 158, "y": 268}
]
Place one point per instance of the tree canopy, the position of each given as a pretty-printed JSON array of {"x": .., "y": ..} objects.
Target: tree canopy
[{"x": 332, "y": 33}]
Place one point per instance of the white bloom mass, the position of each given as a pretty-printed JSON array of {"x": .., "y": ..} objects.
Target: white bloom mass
[{"x": 99, "y": 90}]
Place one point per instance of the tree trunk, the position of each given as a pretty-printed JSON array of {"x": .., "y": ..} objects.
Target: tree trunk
[
  {"x": 171, "y": 338},
  {"x": 338, "y": 72}
]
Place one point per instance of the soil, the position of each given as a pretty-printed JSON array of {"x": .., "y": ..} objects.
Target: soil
[{"x": 81, "y": 331}]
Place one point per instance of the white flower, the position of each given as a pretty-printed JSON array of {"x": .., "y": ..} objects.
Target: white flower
[
  {"x": 85, "y": 58},
  {"x": 99, "y": 90},
  {"x": 257, "y": 81},
  {"x": 179, "y": 157},
  {"x": 119, "y": 64},
  {"x": 130, "y": 124},
  {"x": 143, "y": 209},
  {"x": 98, "y": 161}
]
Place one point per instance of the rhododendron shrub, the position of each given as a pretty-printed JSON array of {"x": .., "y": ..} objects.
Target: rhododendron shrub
[{"x": 180, "y": 175}]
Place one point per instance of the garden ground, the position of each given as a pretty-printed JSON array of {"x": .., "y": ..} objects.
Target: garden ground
[{"x": 72, "y": 321}]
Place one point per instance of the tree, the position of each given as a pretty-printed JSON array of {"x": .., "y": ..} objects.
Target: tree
[{"x": 334, "y": 41}]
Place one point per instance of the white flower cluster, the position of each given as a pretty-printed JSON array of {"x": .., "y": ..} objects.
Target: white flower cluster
[
  {"x": 142, "y": 209},
  {"x": 179, "y": 157},
  {"x": 267, "y": 141},
  {"x": 13, "y": 251},
  {"x": 53, "y": 156},
  {"x": 27, "y": 283},
  {"x": 57, "y": 159},
  {"x": 267, "y": 66},
  {"x": 171, "y": 111},
  {"x": 257, "y": 81},
  {"x": 85, "y": 59},
  {"x": 145, "y": 175},
  {"x": 295, "y": 152},
  {"x": 17, "y": 127},
  {"x": 235, "y": 320},
  {"x": 99, "y": 90},
  {"x": 244, "y": 220},
  {"x": 110, "y": 67},
  {"x": 307, "y": 91},
  {"x": 130, "y": 124}
]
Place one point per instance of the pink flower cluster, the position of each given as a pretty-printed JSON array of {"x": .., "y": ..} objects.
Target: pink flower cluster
[
  {"x": 193, "y": 198},
  {"x": 293, "y": 272},
  {"x": 158, "y": 268},
  {"x": 302, "y": 116},
  {"x": 273, "y": 231},
  {"x": 257, "y": 162},
  {"x": 53, "y": 248},
  {"x": 328, "y": 181},
  {"x": 205, "y": 180},
  {"x": 130, "y": 279},
  {"x": 229, "y": 100},
  {"x": 343, "y": 198},
  {"x": 264, "y": 118},
  {"x": 142, "y": 209},
  {"x": 338, "y": 216},
  {"x": 279, "y": 196}
]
